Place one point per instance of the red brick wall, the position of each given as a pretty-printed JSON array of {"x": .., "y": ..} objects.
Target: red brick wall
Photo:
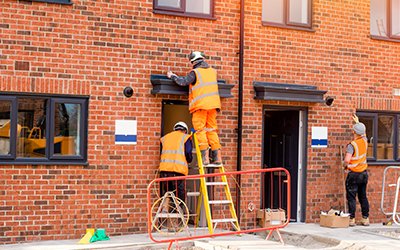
[
  {"x": 97, "y": 48},
  {"x": 339, "y": 56}
]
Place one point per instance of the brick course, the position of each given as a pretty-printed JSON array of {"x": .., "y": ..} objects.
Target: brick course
[{"x": 97, "y": 48}]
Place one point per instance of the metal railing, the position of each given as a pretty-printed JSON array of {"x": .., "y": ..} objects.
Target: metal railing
[
  {"x": 251, "y": 190},
  {"x": 391, "y": 196}
]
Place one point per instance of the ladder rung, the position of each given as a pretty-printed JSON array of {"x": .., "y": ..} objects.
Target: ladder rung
[
  {"x": 216, "y": 183},
  {"x": 223, "y": 220},
  {"x": 220, "y": 202},
  {"x": 193, "y": 193},
  {"x": 168, "y": 215},
  {"x": 213, "y": 166}
]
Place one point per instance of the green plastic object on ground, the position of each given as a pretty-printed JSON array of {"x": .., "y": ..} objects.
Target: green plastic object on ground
[{"x": 99, "y": 235}]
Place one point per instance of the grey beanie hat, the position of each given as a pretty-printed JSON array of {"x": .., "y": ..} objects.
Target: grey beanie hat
[{"x": 359, "y": 128}]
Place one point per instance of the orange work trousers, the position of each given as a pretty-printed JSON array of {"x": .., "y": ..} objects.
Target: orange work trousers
[{"x": 205, "y": 121}]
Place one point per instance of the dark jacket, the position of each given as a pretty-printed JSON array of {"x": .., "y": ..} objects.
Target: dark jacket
[{"x": 191, "y": 77}]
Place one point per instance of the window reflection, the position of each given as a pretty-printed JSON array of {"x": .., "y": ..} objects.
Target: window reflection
[
  {"x": 5, "y": 125},
  {"x": 67, "y": 129},
  {"x": 385, "y": 137},
  {"x": 369, "y": 124},
  {"x": 287, "y": 12},
  {"x": 31, "y": 141},
  {"x": 169, "y": 3}
]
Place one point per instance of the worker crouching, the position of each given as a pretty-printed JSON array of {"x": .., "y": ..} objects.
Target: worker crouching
[{"x": 176, "y": 154}]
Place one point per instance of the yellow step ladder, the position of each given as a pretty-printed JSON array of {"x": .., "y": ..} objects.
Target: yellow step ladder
[{"x": 204, "y": 197}]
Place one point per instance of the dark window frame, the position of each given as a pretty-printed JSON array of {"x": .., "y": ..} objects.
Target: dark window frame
[
  {"x": 50, "y": 158},
  {"x": 286, "y": 18},
  {"x": 389, "y": 22},
  {"x": 389, "y": 25},
  {"x": 181, "y": 11},
  {"x": 373, "y": 160},
  {"x": 51, "y": 129},
  {"x": 69, "y": 2}
]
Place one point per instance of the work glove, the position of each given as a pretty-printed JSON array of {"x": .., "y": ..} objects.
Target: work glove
[
  {"x": 170, "y": 74},
  {"x": 355, "y": 118}
]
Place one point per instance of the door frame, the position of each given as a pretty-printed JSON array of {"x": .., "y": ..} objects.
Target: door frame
[{"x": 302, "y": 155}]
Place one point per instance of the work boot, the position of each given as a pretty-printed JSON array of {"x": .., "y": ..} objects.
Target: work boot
[
  {"x": 352, "y": 222},
  {"x": 217, "y": 158},
  {"x": 364, "y": 221},
  {"x": 205, "y": 157}
]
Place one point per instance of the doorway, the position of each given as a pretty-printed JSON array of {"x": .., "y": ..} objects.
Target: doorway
[
  {"x": 284, "y": 146},
  {"x": 173, "y": 112}
]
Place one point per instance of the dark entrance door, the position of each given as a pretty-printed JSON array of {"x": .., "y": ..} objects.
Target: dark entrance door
[{"x": 281, "y": 149}]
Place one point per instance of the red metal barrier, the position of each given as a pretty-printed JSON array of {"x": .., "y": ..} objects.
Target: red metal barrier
[{"x": 280, "y": 178}]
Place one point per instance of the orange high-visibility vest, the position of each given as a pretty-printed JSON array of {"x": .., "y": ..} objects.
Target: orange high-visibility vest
[
  {"x": 204, "y": 93},
  {"x": 173, "y": 153},
  {"x": 358, "y": 162}
]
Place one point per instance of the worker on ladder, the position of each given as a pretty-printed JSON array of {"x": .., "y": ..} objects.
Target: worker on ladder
[
  {"x": 176, "y": 153},
  {"x": 204, "y": 103}
]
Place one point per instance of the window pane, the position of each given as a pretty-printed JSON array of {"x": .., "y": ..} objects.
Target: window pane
[
  {"x": 272, "y": 11},
  {"x": 378, "y": 24},
  {"x": 395, "y": 17},
  {"x": 369, "y": 124},
  {"x": 32, "y": 119},
  {"x": 298, "y": 11},
  {"x": 198, "y": 6},
  {"x": 5, "y": 122},
  {"x": 385, "y": 137},
  {"x": 67, "y": 129},
  {"x": 169, "y": 3}
]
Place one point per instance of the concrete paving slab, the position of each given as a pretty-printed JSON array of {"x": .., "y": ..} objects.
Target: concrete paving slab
[
  {"x": 358, "y": 237},
  {"x": 295, "y": 235}
]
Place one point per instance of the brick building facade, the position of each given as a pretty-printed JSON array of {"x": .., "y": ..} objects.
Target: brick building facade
[{"x": 84, "y": 53}]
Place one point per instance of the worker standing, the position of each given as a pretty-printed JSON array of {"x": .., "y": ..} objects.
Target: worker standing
[
  {"x": 204, "y": 103},
  {"x": 357, "y": 179},
  {"x": 176, "y": 153}
]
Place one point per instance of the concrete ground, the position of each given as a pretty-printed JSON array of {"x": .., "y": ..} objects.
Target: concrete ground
[{"x": 295, "y": 236}]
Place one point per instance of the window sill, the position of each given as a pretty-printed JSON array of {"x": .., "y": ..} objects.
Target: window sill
[
  {"x": 43, "y": 161},
  {"x": 64, "y": 2},
  {"x": 172, "y": 13},
  {"x": 268, "y": 24},
  {"x": 287, "y": 92},
  {"x": 46, "y": 163},
  {"x": 384, "y": 39}
]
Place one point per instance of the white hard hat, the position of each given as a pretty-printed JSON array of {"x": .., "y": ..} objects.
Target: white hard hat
[
  {"x": 181, "y": 126},
  {"x": 195, "y": 55},
  {"x": 359, "y": 128}
]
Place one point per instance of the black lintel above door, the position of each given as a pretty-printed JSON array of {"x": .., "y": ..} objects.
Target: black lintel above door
[
  {"x": 287, "y": 92},
  {"x": 163, "y": 85}
]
